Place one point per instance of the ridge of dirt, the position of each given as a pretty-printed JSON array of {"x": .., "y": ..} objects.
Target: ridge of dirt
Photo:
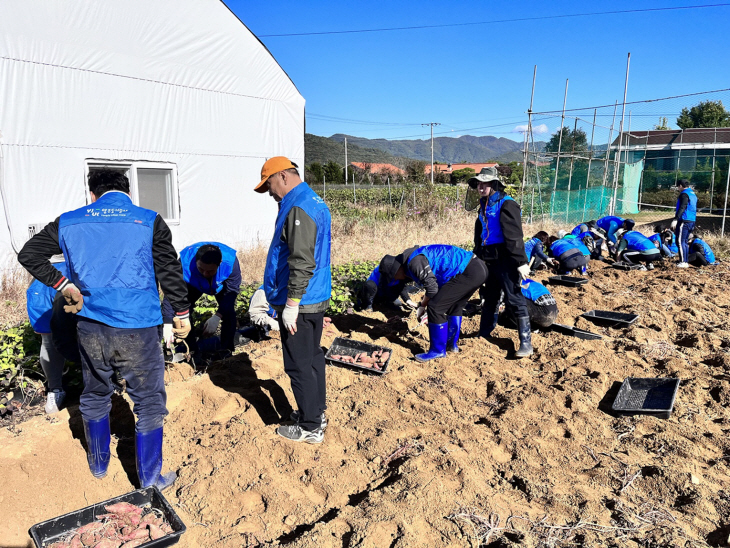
[{"x": 517, "y": 452}]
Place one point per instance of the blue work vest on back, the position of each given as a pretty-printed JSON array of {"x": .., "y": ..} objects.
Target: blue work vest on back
[
  {"x": 39, "y": 302},
  {"x": 530, "y": 246},
  {"x": 706, "y": 250},
  {"x": 533, "y": 290},
  {"x": 605, "y": 222},
  {"x": 562, "y": 246},
  {"x": 580, "y": 229},
  {"x": 446, "y": 261},
  {"x": 489, "y": 216},
  {"x": 276, "y": 275},
  {"x": 636, "y": 241},
  {"x": 579, "y": 244},
  {"x": 108, "y": 250},
  {"x": 196, "y": 279},
  {"x": 690, "y": 213}
]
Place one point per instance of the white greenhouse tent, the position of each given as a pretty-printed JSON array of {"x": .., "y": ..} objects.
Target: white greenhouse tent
[{"x": 177, "y": 93}]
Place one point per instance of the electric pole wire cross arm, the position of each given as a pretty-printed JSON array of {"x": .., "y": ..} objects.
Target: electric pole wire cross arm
[{"x": 431, "y": 124}]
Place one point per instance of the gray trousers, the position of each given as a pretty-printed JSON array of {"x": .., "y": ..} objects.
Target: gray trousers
[{"x": 52, "y": 362}]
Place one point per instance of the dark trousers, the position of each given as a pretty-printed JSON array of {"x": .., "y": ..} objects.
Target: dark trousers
[
  {"x": 453, "y": 295},
  {"x": 536, "y": 262},
  {"x": 594, "y": 244},
  {"x": 137, "y": 355},
  {"x": 571, "y": 260},
  {"x": 636, "y": 257},
  {"x": 227, "y": 308},
  {"x": 697, "y": 259},
  {"x": 682, "y": 232},
  {"x": 503, "y": 276},
  {"x": 63, "y": 330},
  {"x": 304, "y": 363}
]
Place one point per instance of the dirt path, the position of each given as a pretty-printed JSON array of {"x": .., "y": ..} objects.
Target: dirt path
[{"x": 526, "y": 445}]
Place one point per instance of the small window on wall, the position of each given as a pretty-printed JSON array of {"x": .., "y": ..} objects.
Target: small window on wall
[{"x": 152, "y": 185}]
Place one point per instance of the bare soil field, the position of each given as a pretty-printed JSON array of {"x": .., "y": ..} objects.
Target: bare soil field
[{"x": 475, "y": 449}]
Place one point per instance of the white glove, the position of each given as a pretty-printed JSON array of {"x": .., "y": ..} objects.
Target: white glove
[
  {"x": 411, "y": 304},
  {"x": 524, "y": 271},
  {"x": 74, "y": 299},
  {"x": 290, "y": 315},
  {"x": 211, "y": 326},
  {"x": 167, "y": 335},
  {"x": 421, "y": 314},
  {"x": 674, "y": 224}
]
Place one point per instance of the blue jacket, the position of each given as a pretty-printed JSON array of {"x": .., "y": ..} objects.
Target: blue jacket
[
  {"x": 118, "y": 282},
  {"x": 533, "y": 290},
  {"x": 446, "y": 261},
  {"x": 579, "y": 243},
  {"x": 533, "y": 246},
  {"x": 39, "y": 302},
  {"x": 657, "y": 238},
  {"x": 489, "y": 216},
  {"x": 636, "y": 241},
  {"x": 580, "y": 229},
  {"x": 702, "y": 247},
  {"x": 605, "y": 222},
  {"x": 563, "y": 246},
  {"x": 193, "y": 276},
  {"x": 690, "y": 213},
  {"x": 276, "y": 274}
]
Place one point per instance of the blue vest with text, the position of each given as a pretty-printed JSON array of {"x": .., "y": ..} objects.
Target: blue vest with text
[
  {"x": 636, "y": 241},
  {"x": 276, "y": 274},
  {"x": 39, "y": 300},
  {"x": 690, "y": 214},
  {"x": 108, "y": 250},
  {"x": 446, "y": 261},
  {"x": 533, "y": 290},
  {"x": 196, "y": 279},
  {"x": 489, "y": 216},
  {"x": 705, "y": 249}
]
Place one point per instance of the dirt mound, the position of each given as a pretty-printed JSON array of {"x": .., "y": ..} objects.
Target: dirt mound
[{"x": 523, "y": 453}]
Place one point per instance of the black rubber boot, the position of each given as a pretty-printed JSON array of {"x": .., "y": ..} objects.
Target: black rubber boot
[{"x": 523, "y": 327}]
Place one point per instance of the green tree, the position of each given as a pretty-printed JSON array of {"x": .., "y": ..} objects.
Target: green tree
[
  {"x": 314, "y": 173},
  {"x": 416, "y": 171},
  {"x": 334, "y": 172},
  {"x": 462, "y": 175},
  {"x": 662, "y": 123},
  {"x": 569, "y": 137},
  {"x": 704, "y": 114}
]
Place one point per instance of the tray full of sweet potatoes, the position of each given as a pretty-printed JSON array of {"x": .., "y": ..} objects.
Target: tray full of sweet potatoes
[{"x": 359, "y": 355}]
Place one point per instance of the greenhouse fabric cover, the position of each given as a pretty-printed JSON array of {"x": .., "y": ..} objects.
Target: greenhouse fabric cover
[
  {"x": 629, "y": 201},
  {"x": 580, "y": 204},
  {"x": 176, "y": 81}
]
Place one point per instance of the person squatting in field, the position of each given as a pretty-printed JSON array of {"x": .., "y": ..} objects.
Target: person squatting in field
[
  {"x": 298, "y": 285},
  {"x": 568, "y": 254},
  {"x": 450, "y": 275},
  {"x": 635, "y": 248},
  {"x": 397, "y": 293},
  {"x": 499, "y": 242},
  {"x": 700, "y": 254},
  {"x": 665, "y": 241},
  {"x": 116, "y": 254},
  {"x": 590, "y": 237},
  {"x": 535, "y": 251},
  {"x": 541, "y": 305}
]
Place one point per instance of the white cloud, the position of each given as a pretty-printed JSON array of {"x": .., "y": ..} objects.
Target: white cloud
[{"x": 537, "y": 130}]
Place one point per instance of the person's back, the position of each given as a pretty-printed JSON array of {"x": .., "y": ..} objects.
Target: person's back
[
  {"x": 446, "y": 261},
  {"x": 579, "y": 243},
  {"x": 636, "y": 241},
  {"x": 193, "y": 276},
  {"x": 700, "y": 246}
]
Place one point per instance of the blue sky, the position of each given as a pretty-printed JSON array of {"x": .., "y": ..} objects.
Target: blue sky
[{"x": 470, "y": 78}]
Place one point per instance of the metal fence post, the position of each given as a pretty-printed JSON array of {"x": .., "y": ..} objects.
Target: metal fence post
[{"x": 724, "y": 211}]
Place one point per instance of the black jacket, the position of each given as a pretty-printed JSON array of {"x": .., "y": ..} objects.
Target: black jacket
[{"x": 513, "y": 247}]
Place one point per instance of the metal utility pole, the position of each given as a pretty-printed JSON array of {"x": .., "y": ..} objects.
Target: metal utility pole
[
  {"x": 345, "y": 160},
  {"x": 560, "y": 144},
  {"x": 527, "y": 133},
  {"x": 431, "y": 124},
  {"x": 621, "y": 138},
  {"x": 724, "y": 211}
]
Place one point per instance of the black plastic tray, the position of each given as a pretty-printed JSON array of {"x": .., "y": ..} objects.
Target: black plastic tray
[
  {"x": 575, "y": 332},
  {"x": 53, "y": 530},
  {"x": 606, "y": 317},
  {"x": 570, "y": 281},
  {"x": 349, "y": 347},
  {"x": 646, "y": 396},
  {"x": 625, "y": 266}
]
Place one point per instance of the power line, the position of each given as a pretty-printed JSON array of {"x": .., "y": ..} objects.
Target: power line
[{"x": 497, "y": 21}]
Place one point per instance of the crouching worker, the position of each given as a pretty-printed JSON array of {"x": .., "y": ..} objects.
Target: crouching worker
[
  {"x": 261, "y": 312},
  {"x": 568, "y": 255},
  {"x": 396, "y": 293},
  {"x": 209, "y": 268},
  {"x": 609, "y": 225},
  {"x": 535, "y": 251},
  {"x": 700, "y": 254},
  {"x": 635, "y": 248},
  {"x": 590, "y": 237},
  {"x": 541, "y": 305},
  {"x": 116, "y": 254},
  {"x": 665, "y": 241},
  {"x": 450, "y": 276}
]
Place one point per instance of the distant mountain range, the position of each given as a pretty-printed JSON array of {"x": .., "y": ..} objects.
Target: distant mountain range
[{"x": 464, "y": 149}]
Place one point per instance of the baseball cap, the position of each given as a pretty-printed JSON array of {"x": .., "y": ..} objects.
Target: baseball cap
[
  {"x": 389, "y": 265},
  {"x": 486, "y": 175},
  {"x": 272, "y": 166}
]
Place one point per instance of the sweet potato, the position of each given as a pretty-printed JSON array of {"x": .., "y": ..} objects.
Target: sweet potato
[
  {"x": 123, "y": 508},
  {"x": 336, "y": 357},
  {"x": 368, "y": 359},
  {"x": 89, "y": 527},
  {"x": 133, "y": 543},
  {"x": 58, "y": 545},
  {"x": 108, "y": 543},
  {"x": 384, "y": 356},
  {"x": 141, "y": 532},
  {"x": 166, "y": 528},
  {"x": 76, "y": 542},
  {"x": 155, "y": 532},
  {"x": 90, "y": 538}
]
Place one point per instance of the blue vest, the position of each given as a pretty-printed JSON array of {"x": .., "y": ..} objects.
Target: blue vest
[
  {"x": 39, "y": 302},
  {"x": 533, "y": 290},
  {"x": 276, "y": 275},
  {"x": 579, "y": 244},
  {"x": 657, "y": 239},
  {"x": 489, "y": 216},
  {"x": 108, "y": 250},
  {"x": 690, "y": 214},
  {"x": 562, "y": 246},
  {"x": 673, "y": 246},
  {"x": 706, "y": 250},
  {"x": 636, "y": 241},
  {"x": 530, "y": 246},
  {"x": 195, "y": 278},
  {"x": 580, "y": 229},
  {"x": 446, "y": 261},
  {"x": 605, "y": 222}
]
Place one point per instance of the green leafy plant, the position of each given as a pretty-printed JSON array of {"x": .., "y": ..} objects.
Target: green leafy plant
[{"x": 19, "y": 350}]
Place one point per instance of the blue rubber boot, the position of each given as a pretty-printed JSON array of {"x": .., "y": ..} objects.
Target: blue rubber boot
[
  {"x": 148, "y": 448},
  {"x": 453, "y": 332},
  {"x": 98, "y": 437},
  {"x": 487, "y": 324},
  {"x": 437, "y": 333}
]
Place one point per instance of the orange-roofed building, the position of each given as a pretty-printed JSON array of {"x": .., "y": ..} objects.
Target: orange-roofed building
[
  {"x": 450, "y": 168},
  {"x": 378, "y": 168}
]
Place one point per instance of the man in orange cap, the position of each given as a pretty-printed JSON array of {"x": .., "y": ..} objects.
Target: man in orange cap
[{"x": 298, "y": 285}]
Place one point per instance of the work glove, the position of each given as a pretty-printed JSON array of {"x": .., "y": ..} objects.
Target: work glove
[
  {"x": 167, "y": 335},
  {"x": 290, "y": 315},
  {"x": 74, "y": 299},
  {"x": 524, "y": 271},
  {"x": 674, "y": 224},
  {"x": 181, "y": 328},
  {"x": 211, "y": 326},
  {"x": 421, "y": 314},
  {"x": 411, "y": 304}
]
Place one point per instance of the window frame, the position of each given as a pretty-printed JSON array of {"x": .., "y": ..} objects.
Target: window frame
[{"x": 132, "y": 166}]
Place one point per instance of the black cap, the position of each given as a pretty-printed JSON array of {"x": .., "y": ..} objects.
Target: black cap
[
  {"x": 389, "y": 265},
  {"x": 629, "y": 224}
]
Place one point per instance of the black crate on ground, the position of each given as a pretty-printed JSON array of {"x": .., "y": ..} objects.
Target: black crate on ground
[
  {"x": 646, "y": 396},
  {"x": 53, "y": 530},
  {"x": 626, "y": 266},
  {"x": 575, "y": 332},
  {"x": 570, "y": 281},
  {"x": 613, "y": 319},
  {"x": 349, "y": 347}
]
